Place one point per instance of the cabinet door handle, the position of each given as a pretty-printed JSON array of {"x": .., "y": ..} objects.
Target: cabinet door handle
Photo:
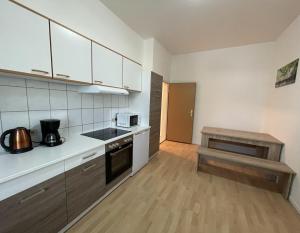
[
  {"x": 97, "y": 81},
  {"x": 89, "y": 167},
  {"x": 40, "y": 71},
  {"x": 63, "y": 75},
  {"x": 25, "y": 199},
  {"x": 89, "y": 156}
]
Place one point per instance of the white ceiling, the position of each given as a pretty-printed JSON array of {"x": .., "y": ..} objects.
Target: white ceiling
[{"x": 184, "y": 26}]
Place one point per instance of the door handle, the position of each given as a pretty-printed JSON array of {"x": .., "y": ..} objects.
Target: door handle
[
  {"x": 142, "y": 132},
  {"x": 89, "y": 156},
  {"x": 192, "y": 112},
  {"x": 89, "y": 167},
  {"x": 119, "y": 151},
  {"x": 63, "y": 75},
  {"x": 40, "y": 71},
  {"x": 41, "y": 191}
]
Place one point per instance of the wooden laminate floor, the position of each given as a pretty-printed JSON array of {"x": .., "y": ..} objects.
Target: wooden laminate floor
[{"x": 168, "y": 196}]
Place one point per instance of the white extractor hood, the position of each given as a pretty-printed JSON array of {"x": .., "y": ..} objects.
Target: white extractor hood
[{"x": 95, "y": 89}]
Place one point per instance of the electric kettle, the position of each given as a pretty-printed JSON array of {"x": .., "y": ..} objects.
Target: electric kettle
[{"x": 19, "y": 140}]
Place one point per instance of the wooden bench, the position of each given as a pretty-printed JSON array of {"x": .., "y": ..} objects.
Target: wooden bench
[
  {"x": 259, "y": 145},
  {"x": 268, "y": 174}
]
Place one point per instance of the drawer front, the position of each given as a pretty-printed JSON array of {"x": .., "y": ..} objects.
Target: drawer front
[
  {"x": 85, "y": 184},
  {"x": 83, "y": 158},
  {"x": 22, "y": 183},
  {"x": 41, "y": 208}
]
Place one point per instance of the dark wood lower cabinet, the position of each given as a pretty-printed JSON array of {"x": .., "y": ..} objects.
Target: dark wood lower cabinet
[
  {"x": 155, "y": 112},
  {"x": 85, "y": 184},
  {"x": 40, "y": 209},
  {"x": 48, "y": 207}
]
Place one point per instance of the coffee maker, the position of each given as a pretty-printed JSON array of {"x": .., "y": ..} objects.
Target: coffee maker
[{"x": 50, "y": 134}]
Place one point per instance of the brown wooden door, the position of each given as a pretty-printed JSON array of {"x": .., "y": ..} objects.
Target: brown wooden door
[
  {"x": 181, "y": 112},
  {"x": 155, "y": 112}
]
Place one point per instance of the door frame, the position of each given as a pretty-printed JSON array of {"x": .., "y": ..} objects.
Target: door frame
[{"x": 166, "y": 122}]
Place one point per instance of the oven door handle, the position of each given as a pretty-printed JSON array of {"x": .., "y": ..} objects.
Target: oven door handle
[{"x": 119, "y": 151}]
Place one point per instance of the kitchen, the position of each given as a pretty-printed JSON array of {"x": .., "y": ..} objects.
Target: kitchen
[{"x": 118, "y": 117}]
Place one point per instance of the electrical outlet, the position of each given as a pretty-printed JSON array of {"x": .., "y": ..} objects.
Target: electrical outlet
[{"x": 33, "y": 132}]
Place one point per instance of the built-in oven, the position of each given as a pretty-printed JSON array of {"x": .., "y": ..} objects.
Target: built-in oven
[{"x": 118, "y": 158}]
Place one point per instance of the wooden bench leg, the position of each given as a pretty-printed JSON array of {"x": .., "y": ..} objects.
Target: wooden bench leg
[{"x": 287, "y": 186}]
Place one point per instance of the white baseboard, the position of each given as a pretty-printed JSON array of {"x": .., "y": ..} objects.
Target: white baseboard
[{"x": 295, "y": 204}]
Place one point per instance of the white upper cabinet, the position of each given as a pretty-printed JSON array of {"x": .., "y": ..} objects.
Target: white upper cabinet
[
  {"x": 132, "y": 75},
  {"x": 107, "y": 67},
  {"x": 24, "y": 40},
  {"x": 71, "y": 55}
]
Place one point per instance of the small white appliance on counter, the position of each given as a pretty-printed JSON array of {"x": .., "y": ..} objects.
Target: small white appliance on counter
[
  {"x": 127, "y": 120},
  {"x": 140, "y": 150}
]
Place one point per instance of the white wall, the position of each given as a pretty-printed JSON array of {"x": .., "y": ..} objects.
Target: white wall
[
  {"x": 148, "y": 51},
  {"x": 91, "y": 18},
  {"x": 232, "y": 85},
  {"x": 157, "y": 58},
  {"x": 283, "y": 110},
  {"x": 139, "y": 102},
  {"x": 161, "y": 61}
]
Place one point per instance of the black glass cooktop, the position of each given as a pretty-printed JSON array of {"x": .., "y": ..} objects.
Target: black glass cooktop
[{"x": 105, "y": 134}]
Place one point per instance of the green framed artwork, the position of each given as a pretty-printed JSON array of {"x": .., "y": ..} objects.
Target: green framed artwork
[{"x": 287, "y": 74}]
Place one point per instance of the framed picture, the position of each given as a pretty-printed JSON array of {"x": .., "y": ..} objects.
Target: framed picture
[{"x": 287, "y": 74}]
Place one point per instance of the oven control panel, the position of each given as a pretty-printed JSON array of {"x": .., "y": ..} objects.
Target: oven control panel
[{"x": 118, "y": 143}]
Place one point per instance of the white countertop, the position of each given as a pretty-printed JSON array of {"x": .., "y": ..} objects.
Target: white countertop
[{"x": 14, "y": 166}]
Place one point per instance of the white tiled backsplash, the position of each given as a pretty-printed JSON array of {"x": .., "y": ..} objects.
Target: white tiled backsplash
[{"x": 24, "y": 102}]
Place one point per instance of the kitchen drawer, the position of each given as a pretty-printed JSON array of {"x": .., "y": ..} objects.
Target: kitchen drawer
[
  {"x": 41, "y": 208},
  {"x": 85, "y": 184},
  {"x": 17, "y": 185},
  {"x": 83, "y": 158}
]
